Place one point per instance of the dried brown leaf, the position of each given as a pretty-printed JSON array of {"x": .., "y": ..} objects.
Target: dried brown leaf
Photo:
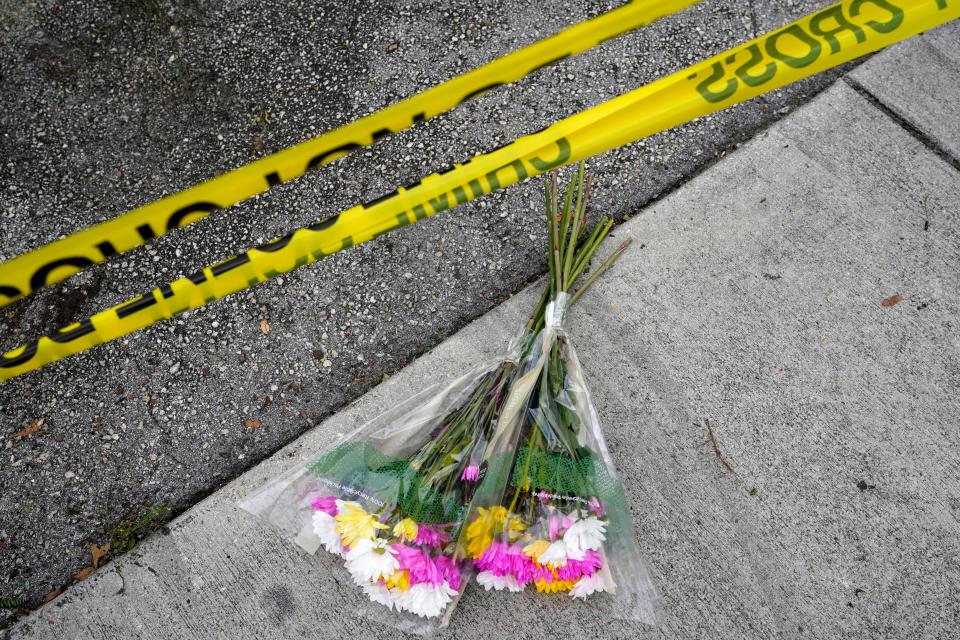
[
  {"x": 265, "y": 327},
  {"x": 81, "y": 575},
  {"x": 99, "y": 552},
  {"x": 251, "y": 423},
  {"x": 53, "y": 594},
  {"x": 35, "y": 425},
  {"x": 892, "y": 300}
]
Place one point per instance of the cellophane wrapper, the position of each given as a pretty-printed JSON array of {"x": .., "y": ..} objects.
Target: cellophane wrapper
[
  {"x": 390, "y": 510},
  {"x": 551, "y": 515}
]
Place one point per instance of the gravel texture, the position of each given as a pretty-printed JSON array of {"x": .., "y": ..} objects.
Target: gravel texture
[{"x": 111, "y": 106}]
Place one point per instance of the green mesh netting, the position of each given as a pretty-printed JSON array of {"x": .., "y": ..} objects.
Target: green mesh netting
[
  {"x": 358, "y": 466},
  {"x": 586, "y": 477}
]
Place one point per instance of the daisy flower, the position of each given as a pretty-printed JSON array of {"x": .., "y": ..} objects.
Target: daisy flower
[
  {"x": 585, "y": 535},
  {"x": 555, "y": 555},
  {"x": 325, "y": 528},
  {"x": 371, "y": 560},
  {"x": 426, "y": 601},
  {"x": 490, "y": 581},
  {"x": 588, "y": 585},
  {"x": 379, "y": 593}
]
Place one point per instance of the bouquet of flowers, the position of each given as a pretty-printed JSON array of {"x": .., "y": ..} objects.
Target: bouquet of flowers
[
  {"x": 391, "y": 498},
  {"x": 553, "y": 516}
]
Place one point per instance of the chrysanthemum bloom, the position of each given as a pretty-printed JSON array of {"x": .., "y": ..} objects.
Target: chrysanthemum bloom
[
  {"x": 432, "y": 535},
  {"x": 470, "y": 473},
  {"x": 379, "y": 593},
  {"x": 492, "y": 581},
  {"x": 488, "y": 522},
  {"x": 555, "y": 555},
  {"x": 327, "y": 504},
  {"x": 575, "y": 569},
  {"x": 325, "y": 528},
  {"x": 493, "y": 559},
  {"x": 536, "y": 548},
  {"x": 588, "y": 585},
  {"x": 371, "y": 560},
  {"x": 424, "y": 600},
  {"x": 419, "y": 565},
  {"x": 355, "y": 524},
  {"x": 553, "y": 587},
  {"x": 406, "y": 530},
  {"x": 450, "y": 571},
  {"x": 584, "y": 535},
  {"x": 400, "y": 580}
]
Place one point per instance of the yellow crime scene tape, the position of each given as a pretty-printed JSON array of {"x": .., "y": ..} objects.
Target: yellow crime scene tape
[
  {"x": 824, "y": 39},
  {"x": 65, "y": 257}
]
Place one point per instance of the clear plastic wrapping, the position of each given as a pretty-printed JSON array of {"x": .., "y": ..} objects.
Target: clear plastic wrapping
[
  {"x": 551, "y": 515},
  {"x": 390, "y": 498}
]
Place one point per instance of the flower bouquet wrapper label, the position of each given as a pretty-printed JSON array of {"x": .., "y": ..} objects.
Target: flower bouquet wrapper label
[{"x": 551, "y": 515}]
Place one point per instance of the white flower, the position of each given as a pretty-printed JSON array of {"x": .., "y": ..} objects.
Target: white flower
[
  {"x": 325, "y": 528},
  {"x": 585, "y": 535},
  {"x": 424, "y": 600},
  {"x": 587, "y": 585},
  {"x": 555, "y": 555},
  {"x": 492, "y": 581},
  {"x": 370, "y": 560},
  {"x": 379, "y": 593}
]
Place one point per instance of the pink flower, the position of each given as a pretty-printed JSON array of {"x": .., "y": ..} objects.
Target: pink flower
[
  {"x": 541, "y": 573},
  {"x": 596, "y": 506},
  {"x": 450, "y": 571},
  {"x": 575, "y": 569},
  {"x": 559, "y": 525},
  {"x": 419, "y": 565},
  {"x": 501, "y": 559},
  {"x": 431, "y": 535},
  {"x": 327, "y": 504},
  {"x": 470, "y": 473}
]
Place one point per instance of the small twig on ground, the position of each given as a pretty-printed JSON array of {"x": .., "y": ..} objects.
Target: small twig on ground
[{"x": 711, "y": 439}]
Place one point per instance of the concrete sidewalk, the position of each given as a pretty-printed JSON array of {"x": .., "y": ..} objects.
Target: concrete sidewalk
[{"x": 802, "y": 295}]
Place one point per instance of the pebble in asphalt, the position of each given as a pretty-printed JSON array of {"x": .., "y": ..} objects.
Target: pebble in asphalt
[{"x": 109, "y": 107}]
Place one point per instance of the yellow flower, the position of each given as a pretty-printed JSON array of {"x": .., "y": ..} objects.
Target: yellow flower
[
  {"x": 535, "y": 549},
  {"x": 553, "y": 587},
  {"x": 399, "y": 580},
  {"x": 405, "y": 530},
  {"x": 488, "y": 523},
  {"x": 515, "y": 527},
  {"x": 355, "y": 524}
]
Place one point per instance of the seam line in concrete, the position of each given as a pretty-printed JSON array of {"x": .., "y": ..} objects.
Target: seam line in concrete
[{"x": 905, "y": 124}]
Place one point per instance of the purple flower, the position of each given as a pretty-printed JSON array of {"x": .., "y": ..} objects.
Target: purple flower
[
  {"x": 327, "y": 504},
  {"x": 470, "y": 473},
  {"x": 431, "y": 535}
]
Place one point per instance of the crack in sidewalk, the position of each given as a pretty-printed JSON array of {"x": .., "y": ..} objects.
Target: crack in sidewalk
[{"x": 904, "y": 124}]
